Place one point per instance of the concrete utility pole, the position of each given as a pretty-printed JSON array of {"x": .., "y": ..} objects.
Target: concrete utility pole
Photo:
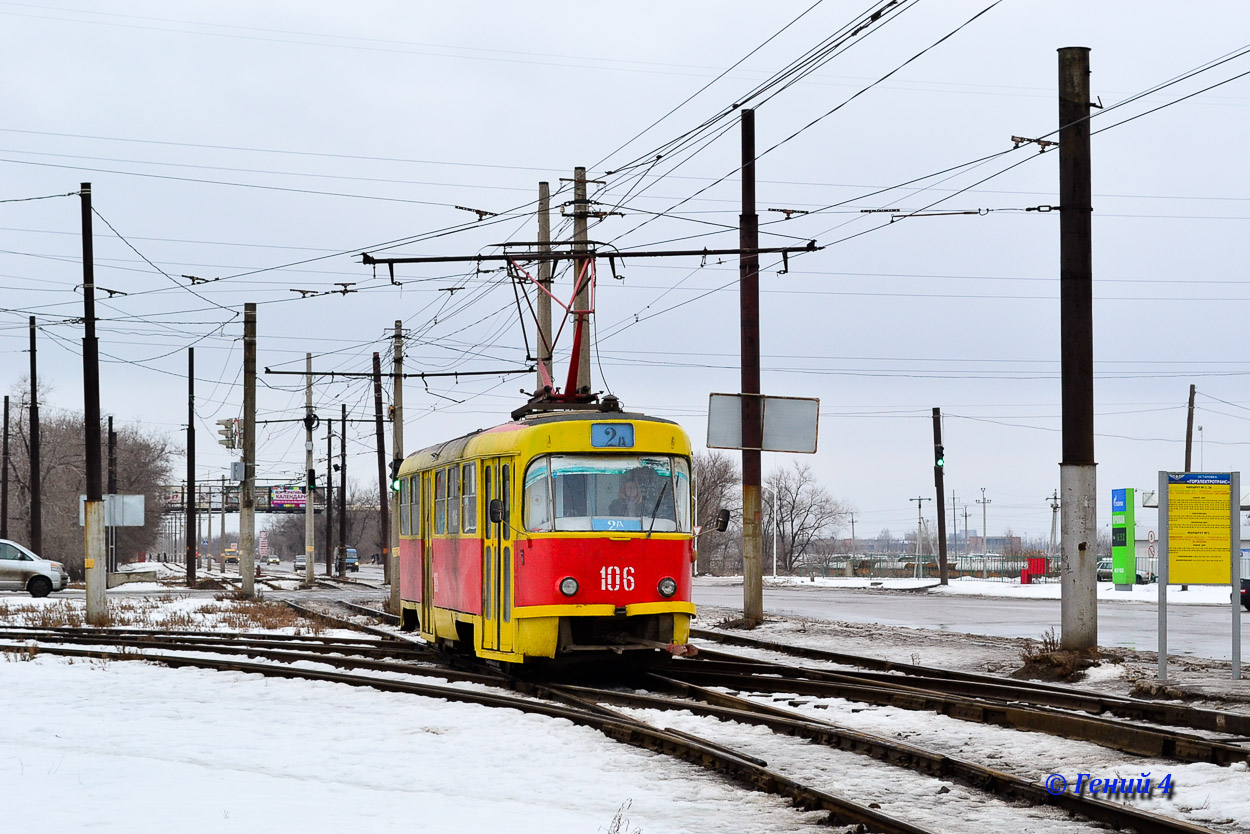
[
  {"x": 543, "y": 343},
  {"x": 581, "y": 273},
  {"x": 1189, "y": 431},
  {"x": 752, "y": 418},
  {"x": 310, "y": 528},
  {"x": 192, "y": 536},
  {"x": 955, "y": 519},
  {"x": 36, "y": 475},
  {"x": 384, "y": 483},
  {"x": 1054, "y": 524},
  {"x": 247, "y": 501},
  {"x": 397, "y": 451},
  {"x": 342, "y": 548},
  {"x": 1078, "y": 483},
  {"x": 853, "y": 545},
  {"x": 919, "y": 527},
  {"x": 95, "y": 557},
  {"x": 939, "y": 465},
  {"x": 111, "y": 489},
  {"x": 208, "y": 518},
  {"x": 985, "y": 535},
  {"x": 329, "y": 550},
  {"x": 4, "y": 477}
]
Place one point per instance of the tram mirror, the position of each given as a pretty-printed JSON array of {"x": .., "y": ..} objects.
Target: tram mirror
[
  {"x": 722, "y": 521},
  {"x": 495, "y": 510}
]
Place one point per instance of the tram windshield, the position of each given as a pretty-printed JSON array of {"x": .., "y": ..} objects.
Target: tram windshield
[{"x": 605, "y": 493}]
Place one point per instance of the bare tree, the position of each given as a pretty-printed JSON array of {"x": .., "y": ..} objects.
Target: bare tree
[
  {"x": 144, "y": 463},
  {"x": 805, "y": 511},
  {"x": 717, "y": 482}
]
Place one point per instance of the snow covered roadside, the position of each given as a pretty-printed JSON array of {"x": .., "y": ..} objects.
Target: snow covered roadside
[
  {"x": 130, "y": 747},
  {"x": 967, "y": 586}
]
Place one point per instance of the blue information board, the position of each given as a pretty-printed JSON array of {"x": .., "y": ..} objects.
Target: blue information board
[{"x": 612, "y": 435}]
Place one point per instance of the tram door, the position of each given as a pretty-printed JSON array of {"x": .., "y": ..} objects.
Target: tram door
[
  {"x": 497, "y": 547},
  {"x": 427, "y": 552}
]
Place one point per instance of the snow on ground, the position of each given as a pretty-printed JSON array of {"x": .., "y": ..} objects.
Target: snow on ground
[
  {"x": 968, "y": 586},
  {"x": 130, "y": 747}
]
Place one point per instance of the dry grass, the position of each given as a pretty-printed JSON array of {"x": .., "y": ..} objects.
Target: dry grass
[
  {"x": 226, "y": 612},
  {"x": 1045, "y": 660}
]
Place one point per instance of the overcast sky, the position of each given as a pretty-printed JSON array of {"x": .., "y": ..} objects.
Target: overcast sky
[{"x": 266, "y": 145}]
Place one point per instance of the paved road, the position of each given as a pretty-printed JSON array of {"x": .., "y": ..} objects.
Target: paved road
[{"x": 1198, "y": 630}]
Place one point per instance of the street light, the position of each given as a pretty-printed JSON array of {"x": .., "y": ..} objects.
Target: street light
[{"x": 774, "y": 504}]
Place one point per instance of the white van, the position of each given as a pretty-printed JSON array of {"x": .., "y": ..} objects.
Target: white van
[{"x": 22, "y": 570}]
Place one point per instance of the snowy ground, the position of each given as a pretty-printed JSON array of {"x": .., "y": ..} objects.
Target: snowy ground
[
  {"x": 128, "y": 747},
  {"x": 968, "y": 586}
]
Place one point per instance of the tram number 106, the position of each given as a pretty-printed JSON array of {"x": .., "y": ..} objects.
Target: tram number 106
[{"x": 613, "y": 578}]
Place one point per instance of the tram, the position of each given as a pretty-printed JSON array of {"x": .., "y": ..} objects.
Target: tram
[{"x": 555, "y": 534}]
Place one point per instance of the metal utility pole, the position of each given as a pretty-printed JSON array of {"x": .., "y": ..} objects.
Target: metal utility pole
[
  {"x": 310, "y": 528},
  {"x": 192, "y": 537},
  {"x": 939, "y": 465},
  {"x": 208, "y": 518},
  {"x": 919, "y": 527},
  {"x": 111, "y": 489},
  {"x": 95, "y": 556},
  {"x": 581, "y": 273},
  {"x": 342, "y": 548},
  {"x": 247, "y": 501},
  {"x": 752, "y": 418},
  {"x": 1189, "y": 431},
  {"x": 397, "y": 453},
  {"x": 4, "y": 477},
  {"x": 223, "y": 521},
  {"x": 329, "y": 550},
  {"x": 985, "y": 535},
  {"x": 543, "y": 342},
  {"x": 384, "y": 484},
  {"x": 36, "y": 476},
  {"x": 1077, "y": 474}
]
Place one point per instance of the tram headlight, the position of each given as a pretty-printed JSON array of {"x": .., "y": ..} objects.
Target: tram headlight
[
  {"x": 667, "y": 586},
  {"x": 568, "y": 586}
]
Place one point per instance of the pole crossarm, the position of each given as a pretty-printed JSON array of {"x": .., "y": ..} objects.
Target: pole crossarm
[
  {"x": 810, "y": 246},
  {"x": 422, "y": 375}
]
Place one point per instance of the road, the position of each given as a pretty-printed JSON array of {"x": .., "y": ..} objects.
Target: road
[{"x": 1194, "y": 630}]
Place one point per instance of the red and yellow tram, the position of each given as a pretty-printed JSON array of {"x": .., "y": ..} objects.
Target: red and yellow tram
[{"x": 555, "y": 534}]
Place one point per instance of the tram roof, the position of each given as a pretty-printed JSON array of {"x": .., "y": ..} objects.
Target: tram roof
[{"x": 457, "y": 446}]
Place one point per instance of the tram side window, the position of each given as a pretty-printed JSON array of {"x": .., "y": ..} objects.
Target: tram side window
[
  {"x": 440, "y": 501},
  {"x": 505, "y": 483},
  {"x": 453, "y": 499},
  {"x": 404, "y": 498},
  {"x": 468, "y": 513},
  {"x": 537, "y": 509}
]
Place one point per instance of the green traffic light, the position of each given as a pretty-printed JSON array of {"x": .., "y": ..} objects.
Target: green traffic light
[
  {"x": 395, "y": 484},
  {"x": 940, "y": 462}
]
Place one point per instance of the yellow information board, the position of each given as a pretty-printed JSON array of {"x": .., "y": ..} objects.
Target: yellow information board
[{"x": 1199, "y": 529}]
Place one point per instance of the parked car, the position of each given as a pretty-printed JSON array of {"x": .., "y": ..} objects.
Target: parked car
[
  {"x": 1245, "y": 594},
  {"x": 22, "y": 570},
  {"x": 301, "y": 562},
  {"x": 1104, "y": 573}
]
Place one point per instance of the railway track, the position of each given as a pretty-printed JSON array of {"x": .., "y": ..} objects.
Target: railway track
[{"x": 680, "y": 683}]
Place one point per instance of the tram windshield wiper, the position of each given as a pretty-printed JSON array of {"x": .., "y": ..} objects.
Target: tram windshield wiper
[{"x": 656, "y": 508}]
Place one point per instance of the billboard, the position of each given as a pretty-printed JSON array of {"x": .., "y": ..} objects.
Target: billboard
[{"x": 286, "y": 498}]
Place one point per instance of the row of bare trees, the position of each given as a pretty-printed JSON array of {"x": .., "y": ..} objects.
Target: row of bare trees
[
  {"x": 144, "y": 463},
  {"x": 796, "y": 506}
]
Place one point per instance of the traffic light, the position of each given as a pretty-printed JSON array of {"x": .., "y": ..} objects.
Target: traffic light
[
  {"x": 395, "y": 479},
  {"x": 939, "y": 457},
  {"x": 227, "y": 433}
]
